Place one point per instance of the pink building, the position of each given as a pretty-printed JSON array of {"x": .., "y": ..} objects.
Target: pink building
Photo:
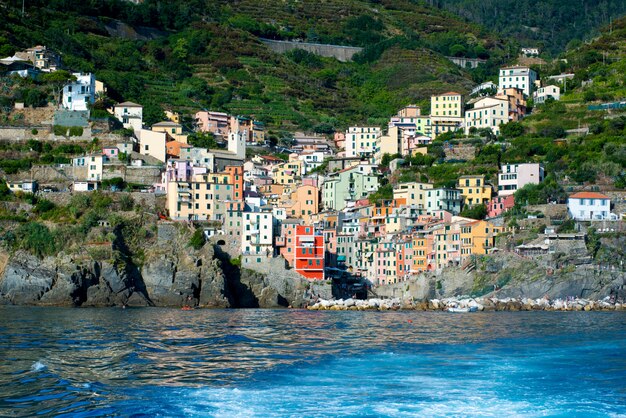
[
  {"x": 214, "y": 122},
  {"x": 110, "y": 152},
  {"x": 285, "y": 241},
  {"x": 340, "y": 140},
  {"x": 500, "y": 204}
]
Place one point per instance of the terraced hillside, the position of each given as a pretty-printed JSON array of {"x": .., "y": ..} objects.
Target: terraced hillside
[{"x": 207, "y": 54}]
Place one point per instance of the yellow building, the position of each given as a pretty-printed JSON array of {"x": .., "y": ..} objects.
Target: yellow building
[
  {"x": 413, "y": 192},
  {"x": 304, "y": 202},
  {"x": 287, "y": 173},
  {"x": 446, "y": 113},
  {"x": 420, "y": 253},
  {"x": 478, "y": 238},
  {"x": 172, "y": 129},
  {"x": 474, "y": 190},
  {"x": 209, "y": 196}
]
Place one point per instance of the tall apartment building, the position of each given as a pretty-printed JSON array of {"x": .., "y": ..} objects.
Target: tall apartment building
[
  {"x": 309, "y": 252},
  {"x": 446, "y": 113},
  {"x": 522, "y": 78},
  {"x": 207, "y": 196},
  {"x": 513, "y": 177},
  {"x": 361, "y": 141}
]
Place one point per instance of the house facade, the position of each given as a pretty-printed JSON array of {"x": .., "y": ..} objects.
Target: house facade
[
  {"x": 446, "y": 113},
  {"x": 544, "y": 93},
  {"x": 130, "y": 114},
  {"x": 589, "y": 206},
  {"x": 77, "y": 95},
  {"x": 474, "y": 190},
  {"x": 522, "y": 78},
  {"x": 361, "y": 141},
  {"x": 488, "y": 113},
  {"x": 513, "y": 177}
]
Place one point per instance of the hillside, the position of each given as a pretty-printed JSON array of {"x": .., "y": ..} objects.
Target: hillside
[
  {"x": 548, "y": 24},
  {"x": 592, "y": 160},
  {"x": 184, "y": 55}
]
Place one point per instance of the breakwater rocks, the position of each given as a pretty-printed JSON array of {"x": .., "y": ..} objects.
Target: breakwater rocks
[{"x": 479, "y": 304}]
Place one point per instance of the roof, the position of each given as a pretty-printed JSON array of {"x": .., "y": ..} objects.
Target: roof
[
  {"x": 588, "y": 195},
  {"x": 128, "y": 104},
  {"x": 271, "y": 158},
  {"x": 166, "y": 123},
  {"x": 174, "y": 147},
  {"x": 450, "y": 93}
]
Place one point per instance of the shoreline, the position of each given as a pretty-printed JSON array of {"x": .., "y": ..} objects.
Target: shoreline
[
  {"x": 480, "y": 304},
  {"x": 396, "y": 304}
]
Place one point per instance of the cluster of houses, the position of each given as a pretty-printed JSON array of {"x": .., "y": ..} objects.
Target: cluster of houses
[
  {"x": 321, "y": 222},
  {"x": 410, "y": 131}
]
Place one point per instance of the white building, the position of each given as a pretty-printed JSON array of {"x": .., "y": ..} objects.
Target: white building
[
  {"x": 522, "y": 78},
  {"x": 257, "y": 236},
  {"x": 93, "y": 163},
  {"x": 489, "y": 86},
  {"x": 78, "y": 94},
  {"x": 587, "y": 206},
  {"x": 544, "y": 93},
  {"x": 237, "y": 144},
  {"x": 513, "y": 177},
  {"x": 130, "y": 114},
  {"x": 530, "y": 51},
  {"x": 311, "y": 160},
  {"x": 443, "y": 199},
  {"x": 361, "y": 140},
  {"x": 488, "y": 112}
]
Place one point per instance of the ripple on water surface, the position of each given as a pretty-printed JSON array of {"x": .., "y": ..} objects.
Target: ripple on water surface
[{"x": 283, "y": 363}]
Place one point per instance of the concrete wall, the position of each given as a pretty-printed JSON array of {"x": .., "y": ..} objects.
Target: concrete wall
[
  {"x": 341, "y": 53},
  {"x": 466, "y": 62},
  {"x": 10, "y": 133}
]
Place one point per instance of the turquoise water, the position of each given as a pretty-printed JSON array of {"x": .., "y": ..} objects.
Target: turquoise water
[{"x": 256, "y": 363}]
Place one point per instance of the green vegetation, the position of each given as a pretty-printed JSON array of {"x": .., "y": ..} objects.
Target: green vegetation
[
  {"x": 197, "y": 240},
  {"x": 198, "y": 55},
  {"x": 549, "y": 24},
  {"x": 475, "y": 212},
  {"x": 49, "y": 228},
  {"x": 21, "y": 156}
]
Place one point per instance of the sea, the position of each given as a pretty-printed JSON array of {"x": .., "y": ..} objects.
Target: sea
[{"x": 154, "y": 362}]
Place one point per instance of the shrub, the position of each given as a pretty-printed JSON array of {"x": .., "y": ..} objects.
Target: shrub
[
  {"x": 44, "y": 206},
  {"x": 197, "y": 239},
  {"x": 60, "y": 130},
  {"x": 76, "y": 131},
  {"x": 34, "y": 131},
  {"x": 126, "y": 202},
  {"x": 36, "y": 238}
]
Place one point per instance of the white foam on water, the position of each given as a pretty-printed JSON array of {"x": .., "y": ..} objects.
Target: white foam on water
[{"x": 38, "y": 366}]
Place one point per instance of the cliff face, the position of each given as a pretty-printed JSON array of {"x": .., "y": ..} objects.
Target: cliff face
[
  {"x": 507, "y": 275},
  {"x": 172, "y": 275}
]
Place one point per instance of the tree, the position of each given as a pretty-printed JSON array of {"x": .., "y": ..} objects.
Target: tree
[
  {"x": 202, "y": 140},
  {"x": 475, "y": 212},
  {"x": 58, "y": 79},
  {"x": 512, "y": 130}
]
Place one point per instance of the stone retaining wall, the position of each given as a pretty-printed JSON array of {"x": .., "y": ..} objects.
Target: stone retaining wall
[{"x": 341, "y": 53}]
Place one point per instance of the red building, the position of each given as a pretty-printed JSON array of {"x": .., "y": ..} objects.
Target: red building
[{"x": 309, "y": 253}]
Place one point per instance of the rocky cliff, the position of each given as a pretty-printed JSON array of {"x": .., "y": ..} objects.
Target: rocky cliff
[
  {"x": 172, "y": 274},
  {"x": 508, "y": 275}
]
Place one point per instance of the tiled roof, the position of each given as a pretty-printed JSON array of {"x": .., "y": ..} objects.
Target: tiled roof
[{"x": 588, "y": 195}]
